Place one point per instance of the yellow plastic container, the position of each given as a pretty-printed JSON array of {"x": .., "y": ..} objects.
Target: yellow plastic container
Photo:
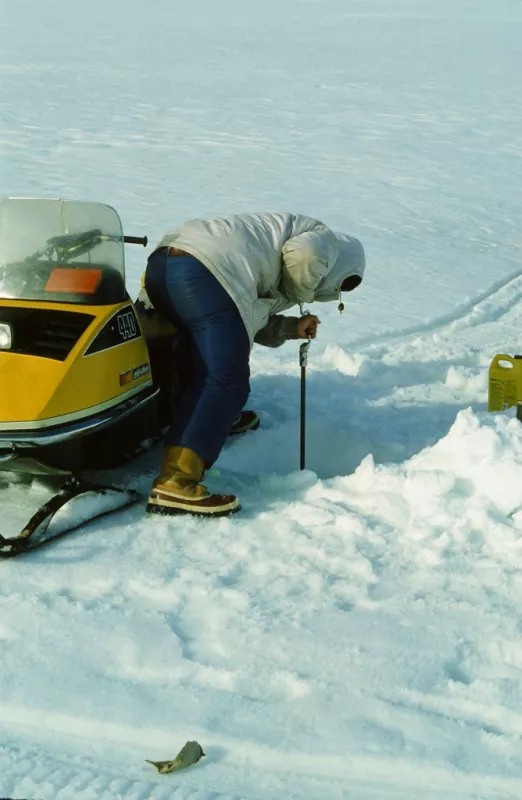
[{"x": 505, "y": 382}]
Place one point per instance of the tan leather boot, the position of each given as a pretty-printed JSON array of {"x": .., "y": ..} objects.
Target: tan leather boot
[{"x": 178, "y": 488}]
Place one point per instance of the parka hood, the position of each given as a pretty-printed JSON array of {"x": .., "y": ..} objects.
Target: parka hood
[{"x": 350, "y": 263}]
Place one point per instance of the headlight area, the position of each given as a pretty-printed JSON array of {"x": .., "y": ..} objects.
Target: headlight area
[{"x": 6, "y": 336}]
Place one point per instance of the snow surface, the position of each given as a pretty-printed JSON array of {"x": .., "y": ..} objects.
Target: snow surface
[{"x": 356, "y": 632}]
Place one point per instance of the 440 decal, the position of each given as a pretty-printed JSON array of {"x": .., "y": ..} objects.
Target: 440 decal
[{"x": 121, "y": 328}]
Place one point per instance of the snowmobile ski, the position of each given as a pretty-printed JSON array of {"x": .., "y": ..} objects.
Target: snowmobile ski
[{"x": 32, "y": 536}]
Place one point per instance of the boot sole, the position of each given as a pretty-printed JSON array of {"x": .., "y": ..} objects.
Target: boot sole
[
  {"x": 239, "y": 432},
  {"x": 172, "y": 509}
]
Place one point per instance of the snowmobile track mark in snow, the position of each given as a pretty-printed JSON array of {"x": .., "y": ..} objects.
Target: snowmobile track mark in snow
[{"x": 458, "y": 316}]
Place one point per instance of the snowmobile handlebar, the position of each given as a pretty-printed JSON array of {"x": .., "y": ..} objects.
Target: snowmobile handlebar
[{"x": 136, "y": 240}]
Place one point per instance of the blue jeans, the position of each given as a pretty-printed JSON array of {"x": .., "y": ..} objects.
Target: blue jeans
[{"x": 188, "y": 295}]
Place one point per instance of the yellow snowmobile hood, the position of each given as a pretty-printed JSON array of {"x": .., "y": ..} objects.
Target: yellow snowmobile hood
[{"x": 68, "y": 362}]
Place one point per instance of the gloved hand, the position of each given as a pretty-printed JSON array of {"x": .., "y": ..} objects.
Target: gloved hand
[
  {"x": 151, "y": 322},
  {"x": 307, "y": 326}
]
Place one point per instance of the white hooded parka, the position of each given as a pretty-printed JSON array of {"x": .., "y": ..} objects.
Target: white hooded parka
[{"x": 269, "y": 262}]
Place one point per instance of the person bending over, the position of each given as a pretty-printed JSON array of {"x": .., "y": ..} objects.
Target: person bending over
[{"x": 222, "y": 283}]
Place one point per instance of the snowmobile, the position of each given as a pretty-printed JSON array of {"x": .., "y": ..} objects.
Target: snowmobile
[{"x": 81, "y": 387}]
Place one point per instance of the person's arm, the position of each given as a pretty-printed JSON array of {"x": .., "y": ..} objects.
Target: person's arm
[
  {"x": 280, "y": 328},
  {"x": 277, "y": 331}
]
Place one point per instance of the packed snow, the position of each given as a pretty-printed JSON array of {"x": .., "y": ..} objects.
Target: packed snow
[{"x": 356, "y": 631}]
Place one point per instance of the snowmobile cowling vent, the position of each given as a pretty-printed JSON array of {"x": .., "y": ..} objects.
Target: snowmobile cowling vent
[{"x": 44, "y": 333}]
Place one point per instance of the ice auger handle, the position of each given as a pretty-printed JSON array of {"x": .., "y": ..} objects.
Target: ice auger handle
[{"x": 136, "y": 240}]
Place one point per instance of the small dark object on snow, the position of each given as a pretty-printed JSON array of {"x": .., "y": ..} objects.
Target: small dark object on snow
[{"x": 190, "y": 753}]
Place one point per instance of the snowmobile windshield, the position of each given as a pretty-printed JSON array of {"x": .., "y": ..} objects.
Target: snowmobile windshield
[{"x": 61, "y": 251}]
